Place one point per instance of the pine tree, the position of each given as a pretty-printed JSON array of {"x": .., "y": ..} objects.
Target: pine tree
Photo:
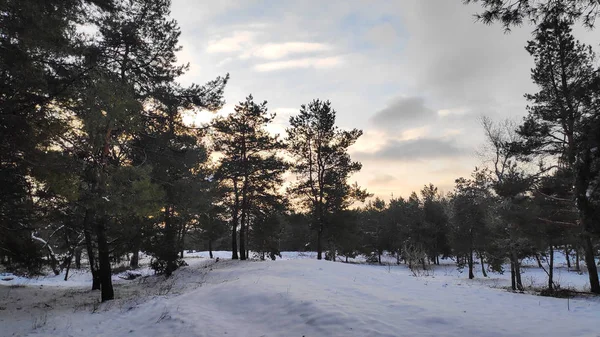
[
  {"x": 38, "y": 62},
  {"x": 322, "y": 165},
  {"x": 561, "y": 115},
  {"x": 470, "y": 217},
  {"x": 250, "y": 165}
]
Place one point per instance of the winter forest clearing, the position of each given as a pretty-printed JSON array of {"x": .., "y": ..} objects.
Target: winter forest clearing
[
  {"x": 437, "y": 161},
  {"x": 296, "y": 296}
]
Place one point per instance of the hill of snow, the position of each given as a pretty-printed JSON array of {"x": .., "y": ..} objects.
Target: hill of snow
[{"x": 292, "y": 297}]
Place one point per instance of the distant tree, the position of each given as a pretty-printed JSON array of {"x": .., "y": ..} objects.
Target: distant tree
[
  {"x": 436, "y": 223},
  {"x": 250, "y": 165},
  {"x": 396, "y": 214},
  {"x": 374, "y": 226},
  {"x": 296, "y": 235},
  {"x": 322, "y": 165},
  {"x": 349, "y": 243},
  {"x": 213, "y": 225},
  {"x": 470, "y": 214},
  {"x": 512, "y": 228},
  {"x": 266, "y": 234}
]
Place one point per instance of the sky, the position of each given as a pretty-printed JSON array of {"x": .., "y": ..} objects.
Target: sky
[{"x": 415, "y": 75}]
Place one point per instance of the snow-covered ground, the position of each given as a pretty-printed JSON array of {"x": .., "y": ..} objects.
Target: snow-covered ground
[{"x": 295, "y": 296}]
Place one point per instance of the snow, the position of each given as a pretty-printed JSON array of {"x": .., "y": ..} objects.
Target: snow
[{"x": 294, "y": 296}]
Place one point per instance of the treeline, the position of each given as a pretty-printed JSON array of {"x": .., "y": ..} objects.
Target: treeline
[{"x": 96, "y": 160}]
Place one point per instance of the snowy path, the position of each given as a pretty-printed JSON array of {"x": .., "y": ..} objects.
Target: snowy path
[{"x": 296, "y": 298}]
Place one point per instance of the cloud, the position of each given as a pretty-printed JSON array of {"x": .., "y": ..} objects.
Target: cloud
[
  {"x": 274, "y": 51},
  {"x": 403, "y": 111},
  {"x": 309, "y": 62},
  {"x": 415, "y": 149},
  {"x": 236, "y": 42},
  {"x": 382, "y": 35},
  {"x": 382, "y": 179}
]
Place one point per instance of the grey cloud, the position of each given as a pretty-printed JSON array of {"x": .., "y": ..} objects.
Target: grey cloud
[
  {"x": 403, "y": 112},
  {"x": 416, "y": 149}
]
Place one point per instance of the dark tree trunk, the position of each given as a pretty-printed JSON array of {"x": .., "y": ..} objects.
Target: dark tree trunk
[
  {"x": 590, "y": 261},
  {"x": 234, "y": 222},
  {"x": 482, "y": 266},
  {"x": 518, "y": 274},
  {"x": 234, "y": 248},
  {"x": 78, "y": 252},
  {"x": 104, "y": 270},
  {"x": 397, "y": 257},
  {"x": 68, "y": 264},
  {"x": 134, "y": 262},
  {"x": 567, "y": 257},
  {"x": 210, "y": 254},
  {"x": 90, "y": 250},
  {"x": 577, "y": 258},
  {"x": 333, "y": 251},
  {"x": 437, "y": 260},
  {"x": 551, "y": 270},
  {"x": 470, "y": 257},
  {"x": 181, "y": 240},
  {"x": 513, "y": 279},
  {"x": 539, "y": 261},
  {"x": 319, "y": 247},
  {"x": 170, "y": 243},
  {"x": 379, "y": 257},
  {"x": 243, "y": 232}
]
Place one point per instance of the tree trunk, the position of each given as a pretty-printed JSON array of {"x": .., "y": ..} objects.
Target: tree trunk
[
  {"x": 577, "y": 258},
  {"x": 319, "y": 247},
  {"x": 539, "y": 261},
  {"x": 234, "y": 222},
  {"x": 90, "y": 250},
  {"x": 551, "y": 270},
  {"x": 210, "y": 254},
  {"x": 105, "y": 274},
  {"x": 78, "y": 258},
  {"x": 333, "y": 252},
  {"x": 170, "y": 243},
  {"x": 379, "y": 257},
  {"x": 516, "y": 270},
  {"x": 567, "y": 257},
  {"x": 243, "y": 234},
  {"x": 513, "y": 279},
  {"x": 437, "y": 260},
  {"x": 181, "y": 240},
  {"x": 398, "y": 257},
  {"x": 234, "y": 248},
  {"x": 518, "y": 274},
  {"x": 470, "y": 257},
  {"x": 590, "y": 261},
  {"x": 482, "y": 266},
  {"x": 134, "y": 262},
  {"x": 68, "y": 265}
]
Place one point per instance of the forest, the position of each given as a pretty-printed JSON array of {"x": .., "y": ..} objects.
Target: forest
[{"x": 97, "y": 163}]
